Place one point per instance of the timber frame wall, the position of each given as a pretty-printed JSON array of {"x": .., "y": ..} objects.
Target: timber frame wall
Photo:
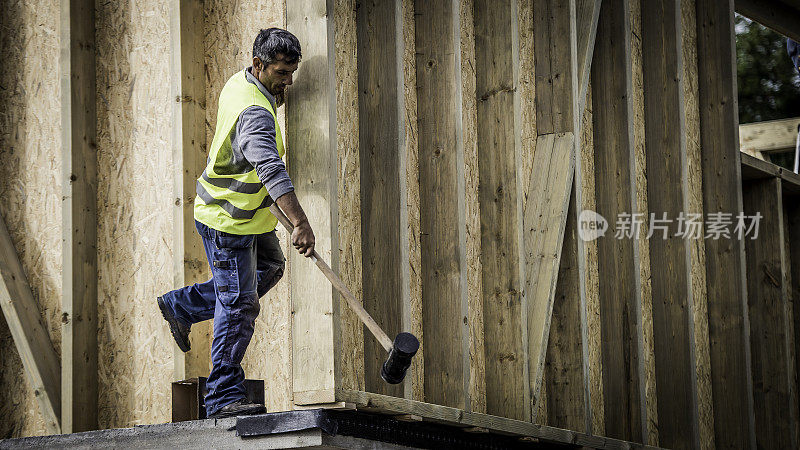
[{"x": 444, "y": 152}]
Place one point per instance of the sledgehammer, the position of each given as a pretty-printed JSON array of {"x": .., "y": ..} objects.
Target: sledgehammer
[{"x": 405, "y": 345}]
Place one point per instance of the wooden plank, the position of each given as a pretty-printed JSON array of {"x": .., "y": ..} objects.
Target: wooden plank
[
  {"x": 775, "y": 14},
  {"x": 771, "y": 326},
  {"x": 384, "y": 212},
  {"x": 587, "y": 13},
  {"x": 189, "y": 156},
  {"x": 754, "y": 168},
  {"x": 311, "y": 160},
  {"x": 500, "y": 195},
  {"x": 79, "y": 213},
  {"x": 545, "y": 211},
  {"x": 456, "y": 417},
  {"x": 728, "y": 326},
  {"x": 769, "y": 136},
  {"x": 442, "y": 193},
  {"x": 566, "y": 369},
  {"x": 667, "y": 193},
  {"x": 792, "y": 238},
  {"x": 39, "y": 357},
  {"x": 618, "y": 258}
]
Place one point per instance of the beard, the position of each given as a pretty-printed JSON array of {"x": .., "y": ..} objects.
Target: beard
[{"x": 280, "y": 98}]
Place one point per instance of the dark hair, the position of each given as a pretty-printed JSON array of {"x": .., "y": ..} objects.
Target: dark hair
[{"x": 272, "y": 41}]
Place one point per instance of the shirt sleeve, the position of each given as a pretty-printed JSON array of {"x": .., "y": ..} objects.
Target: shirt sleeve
[{"x": 256, "y": 138}]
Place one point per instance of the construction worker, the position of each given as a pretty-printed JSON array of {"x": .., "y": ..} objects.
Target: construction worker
[{"x": 244, "y": 173}]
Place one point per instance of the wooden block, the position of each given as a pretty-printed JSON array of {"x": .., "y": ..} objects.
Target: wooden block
[
  {"x": 442, "y": 196},
  {"x": 79, "y": 208},
  {"x": 501, "y": 196},
  {"x": 728, "y": 326},
  {"x": 777, "y": 14},
  {"x": 771, "y": 324},
  {"x": 384, "y": 212}
]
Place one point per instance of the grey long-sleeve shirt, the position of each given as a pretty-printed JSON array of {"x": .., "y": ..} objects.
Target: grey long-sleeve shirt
[{"x": 253, "y": 140}]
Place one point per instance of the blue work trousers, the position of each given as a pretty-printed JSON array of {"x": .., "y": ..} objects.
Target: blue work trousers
[{"x": 244, "y": 268}]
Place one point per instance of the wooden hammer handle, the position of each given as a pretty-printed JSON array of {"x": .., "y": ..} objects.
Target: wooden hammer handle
[{"x": 337, "y": 282}]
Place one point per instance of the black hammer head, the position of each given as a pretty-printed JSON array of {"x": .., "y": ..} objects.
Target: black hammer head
[{"x": 404, "y": 348}]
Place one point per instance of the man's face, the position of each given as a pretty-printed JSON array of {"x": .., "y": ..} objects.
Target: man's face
[{"x": 275, "y": 76}]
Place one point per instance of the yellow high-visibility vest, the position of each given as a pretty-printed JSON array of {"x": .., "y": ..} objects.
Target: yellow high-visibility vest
[{"x": 230, "y": 198}]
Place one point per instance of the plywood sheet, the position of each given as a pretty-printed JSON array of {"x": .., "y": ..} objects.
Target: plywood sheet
[
  {"x": 30, "y": 185},
  {"x": 135, "y": 216}
]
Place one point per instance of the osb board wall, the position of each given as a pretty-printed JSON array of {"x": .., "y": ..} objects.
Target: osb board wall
[
  {"x": 230, "y": 28},
  {"x": 30, "y": 185},
  {"x": 641, "y": 201},
  {"x": 348, "y": 191},
  {"x": 135, "y": 220},
  {"x": 698, "y": 272}
]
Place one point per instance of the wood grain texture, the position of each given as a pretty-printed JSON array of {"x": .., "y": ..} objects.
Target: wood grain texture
[
  {"x": 769, "y": 136},
  {"x": 670, "y": 257},
  {"x": 442, "y": 218},
  {"x": 500, "y": 196},
  {"x": 618, "y": 257},
  {"x": 771, "y": 326},
  {"x": 545, "y": 208},
  {"x": 587, "y": 15},
  {"x": 791, "y": 208},
  {"x": 566, "y": 371},
  {"x": 79, "y": 303},
  {"x": 21, "y": 313},
  {"x": 384, "y": 215},
  {"x": 311, "y": 125},
  {"x": 189, "y": 155},
  {"x": 728, "y": 325}
]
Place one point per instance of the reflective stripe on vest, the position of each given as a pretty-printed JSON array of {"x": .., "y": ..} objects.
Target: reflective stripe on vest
[{"x": 234, "y": 201}]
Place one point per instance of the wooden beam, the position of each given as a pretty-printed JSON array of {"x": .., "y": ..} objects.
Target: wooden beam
[
  {"x": 545, "y": 214},
  {"x": 728, "y": 325},
  {"x": 792, "y": 238},
  {"x": 587, "y": 15},
  {"x": 39, "y": 357},
  {"x": 79, "y": 212},
  {"x": 774, "y": 14},
  {"x": 189, "y": 156},
  {"x": 500, "y": 194},
  {"x": 771, "y": 326},
  {"x": 769, "y": 136},
  {"x": 566, "y": 369},
  {"x": 618, "y": 258},
  {"x": 667, "y": 196},
  {"x": 311, "y": 160},
  {"x": 384, "y": 211},
  {"x": 442, "y": 196}
]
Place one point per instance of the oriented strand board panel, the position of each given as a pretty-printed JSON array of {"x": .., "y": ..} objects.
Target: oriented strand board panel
[
  {"x": 695, "y": 194},
  {"x": 134, "y": 110},
  {"x": 500, "y": 196},
  {"x": 230, "y": 28},
  {"x": 349, "y": 196},
  {"x": 644, "y": 243},
  {"x": 30, "y": 186}
]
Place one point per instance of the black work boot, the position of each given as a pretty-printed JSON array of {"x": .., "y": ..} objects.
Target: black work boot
[
  {"x": 179, "y": 331},
  {"x": 238, "y": 408}
]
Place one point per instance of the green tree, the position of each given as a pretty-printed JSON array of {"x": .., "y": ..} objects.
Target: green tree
[{"x": 769, "y": 85}]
